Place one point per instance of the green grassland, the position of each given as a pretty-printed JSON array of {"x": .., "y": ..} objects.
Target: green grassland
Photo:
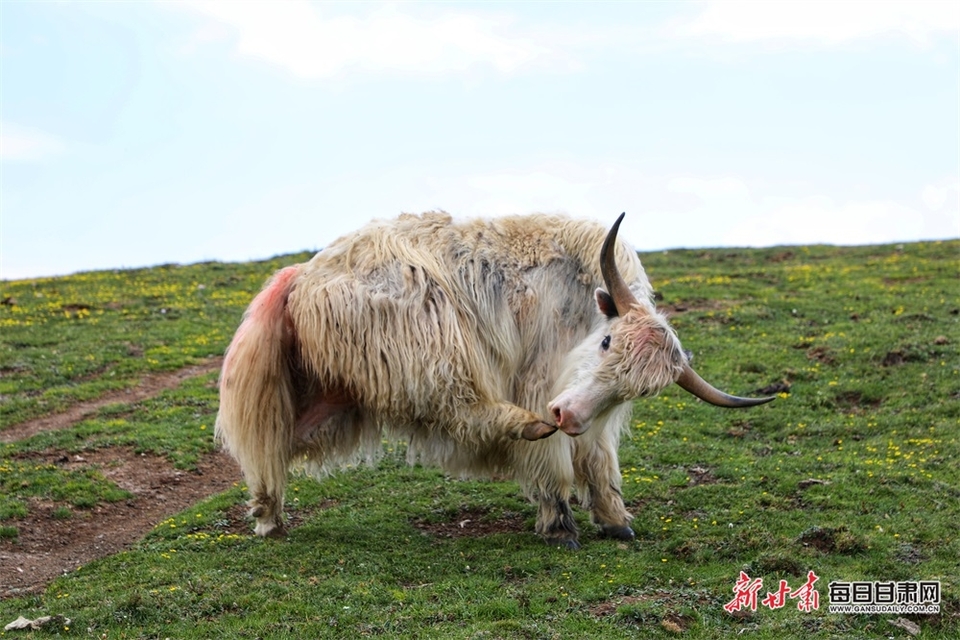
[{"x": 853, "y": 473}]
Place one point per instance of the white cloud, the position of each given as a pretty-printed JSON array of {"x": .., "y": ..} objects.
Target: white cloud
[
  {"x": 321, "y": 40},
  {"x": 538, "y": 190},
  {"x": 935, "y": 196},
  {"x": 823, "y": 23},
  {"x": 685, "y": 211},
  {"x": 820, "y": 220},
  {"x": 300, "y": 38},
  {"x": 23, "y": 144},
  {"x": 727, "y": 213},
  {"x": 727, "y": 188}
]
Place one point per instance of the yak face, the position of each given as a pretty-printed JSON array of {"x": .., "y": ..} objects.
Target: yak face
[{"x": 637, "y": 355}]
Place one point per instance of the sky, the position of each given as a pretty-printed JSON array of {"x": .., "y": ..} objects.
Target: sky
[{"x": 143, "y": 133}]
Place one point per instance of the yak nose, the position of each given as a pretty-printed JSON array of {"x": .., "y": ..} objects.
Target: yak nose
[{"x": 567, "y": 421}]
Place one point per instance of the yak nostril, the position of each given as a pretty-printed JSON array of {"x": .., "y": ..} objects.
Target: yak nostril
[{"x": 557, "y": 414}]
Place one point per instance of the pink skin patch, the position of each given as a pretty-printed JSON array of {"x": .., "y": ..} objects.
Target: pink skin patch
[
  {"x": 324, "y": 406},
  {"x": 269, "y": 304},
  {"x": 266, "y": 309}
]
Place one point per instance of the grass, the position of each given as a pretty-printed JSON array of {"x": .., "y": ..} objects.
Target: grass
[
  {"x": 73, "y": 338},
  {"x": 852, "y": 473}
]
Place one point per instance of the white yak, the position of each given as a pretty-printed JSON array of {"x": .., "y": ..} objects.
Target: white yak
[{"x": 509, "y": 346}]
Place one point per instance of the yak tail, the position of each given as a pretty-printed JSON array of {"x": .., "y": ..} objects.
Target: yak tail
[{"x": 257, "y": 406}]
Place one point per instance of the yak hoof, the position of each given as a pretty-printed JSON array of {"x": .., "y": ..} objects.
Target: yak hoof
[
  {"x": 277, "y": 533},
  {"x": 538, "y": 431},
  {"x": 624, "y": 533},
  {"x": 270, "y": 530},
  {"x": 563, "y": 543}
]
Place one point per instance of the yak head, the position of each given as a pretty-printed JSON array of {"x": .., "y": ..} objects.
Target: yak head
[{"x": 638, "y": 354}]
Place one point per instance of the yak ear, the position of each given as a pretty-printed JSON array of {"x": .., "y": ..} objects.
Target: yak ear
[{"x": 606, "y": 304}]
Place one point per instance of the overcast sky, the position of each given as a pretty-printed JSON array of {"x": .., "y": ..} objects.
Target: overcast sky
[{"x": 138, "y": 133}]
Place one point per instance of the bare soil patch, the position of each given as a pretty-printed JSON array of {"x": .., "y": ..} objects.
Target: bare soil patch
[
  {"x": 855, "y": 402},
  {"x": 50, "y": 545},
  {"x": 609, "y": 607},
  {"x": 701, "y": 475},
  {"x": 831, "y": 540},
  {"x": 696, "y": 305},
  {"x": 149, "y": 386},
  {"x": 474, "y": 523},
  {"x": 823, "y": 355},
  {"x": 671, "y": 620}
]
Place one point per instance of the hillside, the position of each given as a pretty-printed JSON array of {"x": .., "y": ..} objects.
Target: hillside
[{"x": 107, "y": 401}]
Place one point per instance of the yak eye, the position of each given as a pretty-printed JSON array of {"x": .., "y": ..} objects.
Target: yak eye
[{"x": 605, "y": 344}]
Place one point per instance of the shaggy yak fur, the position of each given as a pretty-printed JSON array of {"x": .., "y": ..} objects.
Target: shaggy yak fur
[{"x": 473, "y": 340}]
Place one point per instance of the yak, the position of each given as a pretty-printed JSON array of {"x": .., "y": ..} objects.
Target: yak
[{"x": 492, "y": 346}]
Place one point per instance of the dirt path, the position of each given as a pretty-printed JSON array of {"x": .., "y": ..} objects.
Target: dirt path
[
  {"x": 150, "y": 385},
  {"x": 48, "y": 546}
]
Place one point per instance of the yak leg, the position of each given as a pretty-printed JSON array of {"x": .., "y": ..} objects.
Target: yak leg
[
  {"x": 257, "y": 403},
  {"x": 505, "y": 419},
  {"x": 597, "y": 471},
  {"x": 265, "y": 470},
  {"x": 266, "y": 506},
  {"x": 545, "y": 472},
  {"x": 549, "y": 462},
  {"x": 555, "y": 521},
  {"x": 542, "y": 464},
  {"x": 256, "y": 429}
]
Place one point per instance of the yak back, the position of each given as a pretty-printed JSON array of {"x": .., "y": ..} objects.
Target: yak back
[{"x": 418, "y": 315}]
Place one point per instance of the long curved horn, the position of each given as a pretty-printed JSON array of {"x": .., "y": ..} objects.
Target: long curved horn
[
  {"x": 623, "y": 298},
  {"x": 692, "y": 382}
]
